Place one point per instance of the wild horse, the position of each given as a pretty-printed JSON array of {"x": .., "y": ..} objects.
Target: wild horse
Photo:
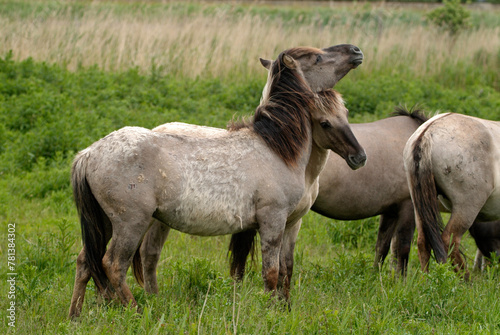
[
  {"x": 453, "y": 156},
  {"x": 380, "y": 188},
  {"x": 261, "y": 175}
]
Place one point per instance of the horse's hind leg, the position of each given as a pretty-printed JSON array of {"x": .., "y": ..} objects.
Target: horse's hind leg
[
  {"x": 458, "y": 224},
  {"x": 150, "y": 251},
  {"x": 286, "y": 258},
  {"x": 82, "y": 277},
  {"x": 126, "y": 240}
]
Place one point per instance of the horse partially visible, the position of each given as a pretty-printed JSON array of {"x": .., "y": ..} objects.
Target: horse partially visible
[
  {"x": 380, "y": 188},
  {"x": 456, "y": 157},
  {"x": 487, "y": 238},
  {"x": 261, "y": 175}
]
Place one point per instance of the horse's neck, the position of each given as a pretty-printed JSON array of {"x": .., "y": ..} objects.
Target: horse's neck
[{"x": 314, "y": 161}]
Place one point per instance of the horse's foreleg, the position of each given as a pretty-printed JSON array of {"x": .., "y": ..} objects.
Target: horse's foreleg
[
  {"x": 385, "y": 233},
  {"x": 286, "y": 258},
  {"x": 271, "y": 237},
  {"x": 82, "y": 277},
  {"x": 479, "y": 263},
  {"x": 150, "y": 251},
  {"x": 401, "y": 244}
]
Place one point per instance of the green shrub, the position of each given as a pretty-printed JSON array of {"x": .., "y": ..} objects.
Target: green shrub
[{"x": 453, "y": 17}]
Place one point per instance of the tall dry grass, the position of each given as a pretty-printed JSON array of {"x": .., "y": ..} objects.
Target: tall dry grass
[{"x": 225, "y": 43}]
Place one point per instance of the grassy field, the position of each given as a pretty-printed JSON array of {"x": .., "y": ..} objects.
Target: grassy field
[{"x": 71, "y": 72}]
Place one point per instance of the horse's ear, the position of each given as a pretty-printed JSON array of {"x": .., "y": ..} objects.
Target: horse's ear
[
  {"x": 265, "y": 63},
  {"x": 289, "y": 62}
]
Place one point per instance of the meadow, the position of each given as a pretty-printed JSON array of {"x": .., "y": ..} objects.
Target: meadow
[{"x": 72, "y": 72}]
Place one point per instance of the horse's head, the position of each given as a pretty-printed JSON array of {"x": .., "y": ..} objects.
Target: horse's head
[
  {"x": 331, "y": 129},
  {"x": 319, "y": 70}
]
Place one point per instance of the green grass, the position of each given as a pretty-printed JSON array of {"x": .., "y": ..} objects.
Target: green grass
[
  {"x": 48, "y": 113},
  {"x": 335, "y": 290}
]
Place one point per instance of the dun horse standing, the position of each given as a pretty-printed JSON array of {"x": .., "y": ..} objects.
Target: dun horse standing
[
  {"x": 260, "y": 175},
  {"x": 380, "y": 188},
  {"x": 456, "y": 157}
]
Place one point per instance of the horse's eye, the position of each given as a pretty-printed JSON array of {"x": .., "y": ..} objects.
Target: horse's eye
[
  {"x": 318, "y": 58},
  {"x": 325, "y": 124}
]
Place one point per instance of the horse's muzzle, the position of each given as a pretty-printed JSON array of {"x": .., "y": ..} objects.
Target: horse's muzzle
[
  {"x": 356, "y": 161},
  {"x": 357, "y": 56}
]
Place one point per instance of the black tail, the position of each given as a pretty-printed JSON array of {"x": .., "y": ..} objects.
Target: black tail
[
  {"x": 424, "y": 195},
  {"x": 137, "y": 268},
  {"x": 240, "y": 246},
  {"x": 414, "y": 112},
  {"x": 92, "y": 221}
]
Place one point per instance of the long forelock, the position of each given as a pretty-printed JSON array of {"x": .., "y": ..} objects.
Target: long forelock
[{"x": 329, "y": 101}]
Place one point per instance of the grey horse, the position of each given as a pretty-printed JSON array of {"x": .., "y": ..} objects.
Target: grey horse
[{"x": 261, "y": 175}]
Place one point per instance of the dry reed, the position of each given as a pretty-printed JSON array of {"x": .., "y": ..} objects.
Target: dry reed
[{"x": 224, "y": 43}]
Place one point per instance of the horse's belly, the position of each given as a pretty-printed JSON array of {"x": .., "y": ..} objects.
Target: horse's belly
[
  {"x": 491, "y": 209},
  {"x": 209, "y": 216},
  {"x": 209, "y": 224}
]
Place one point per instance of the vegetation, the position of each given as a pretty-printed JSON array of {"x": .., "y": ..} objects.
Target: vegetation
[
  {"x": 452, "y": 16},
  {"x": 70, "y": 73}
]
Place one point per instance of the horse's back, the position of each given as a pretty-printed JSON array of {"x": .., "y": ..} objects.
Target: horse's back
[
  {"x": 355, "y": 194},
  {"x": 181, "y": 128},
  {"x": 204, "y": 185}
]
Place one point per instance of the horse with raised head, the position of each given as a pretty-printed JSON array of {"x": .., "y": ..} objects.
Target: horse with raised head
[
  {"x": 261, "y": 175},
  {"x": 455, "y": 157}
]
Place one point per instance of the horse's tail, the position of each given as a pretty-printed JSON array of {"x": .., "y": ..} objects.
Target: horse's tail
[
  {"x": 424, "y": 191},
  {"x": 137, "y": 268},
  {"x": 415, "y": 112},
  {"x": 92, "y": 222},
  {"x": 240, "y": 246}
]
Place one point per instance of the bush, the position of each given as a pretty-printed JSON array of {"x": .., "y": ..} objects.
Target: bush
[
  {"x": 453, "y": 17},
  {"x": 47, "y": 111}
]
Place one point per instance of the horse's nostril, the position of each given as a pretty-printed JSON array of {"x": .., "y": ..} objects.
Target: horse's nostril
[
  {"x": 355, "y": 50},
  {"x": 358, "y": 159}
]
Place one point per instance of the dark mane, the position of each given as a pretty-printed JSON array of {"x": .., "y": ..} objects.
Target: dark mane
[
  {"x": 414, "y": 112},
  {"x": 283, "y": 120}
]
